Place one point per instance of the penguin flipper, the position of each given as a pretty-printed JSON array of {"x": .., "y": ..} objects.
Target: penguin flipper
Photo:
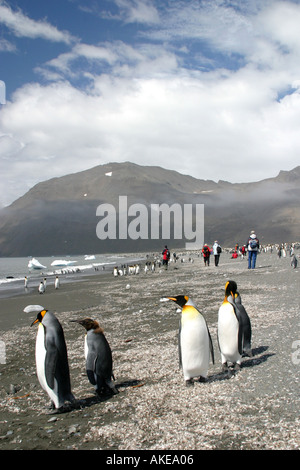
[
  {"x": 90, "y": 368},
  {"x": 211, "y": 348},
  {"x": 240, "y": 338},
  {"x": 91, "y": 376},
  {"x": 239, "y": 319},
  {"x": 179, "y": 345},
  {"x": 50, "y": 364}
]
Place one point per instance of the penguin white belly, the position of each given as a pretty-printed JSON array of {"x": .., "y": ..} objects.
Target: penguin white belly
[
  {"x": 228, "y": 329},
  {"x": 194, "y": 345},
  {"x": 86, "y": 352},
  {"x": 40, "y": 356},
  {"x": 86, "y": 349}
]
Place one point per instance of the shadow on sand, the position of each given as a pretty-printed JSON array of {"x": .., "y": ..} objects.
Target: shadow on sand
[
  {"x": 249, "y": 362},
  {"x": 95, "y": 399}
]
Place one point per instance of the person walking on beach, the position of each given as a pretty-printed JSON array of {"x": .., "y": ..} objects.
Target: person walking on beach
[
  {"x": 206, "y": 254},
  {"x": 166, "y": 257},
  {"x": 217, "y": 250},
  {"x": 252, "y": 246}
]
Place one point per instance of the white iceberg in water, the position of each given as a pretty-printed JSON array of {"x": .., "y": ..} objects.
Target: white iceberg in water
[
  {"x": 88, "y": 257},
  {"x": 62, "y": 262},
  {"x": 35, "y": 264}
]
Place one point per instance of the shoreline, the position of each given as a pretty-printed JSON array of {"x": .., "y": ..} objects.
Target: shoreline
[{"x": 254, "y": 409}]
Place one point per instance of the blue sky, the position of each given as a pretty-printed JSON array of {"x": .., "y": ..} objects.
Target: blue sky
[{"x": 209, "y": 88}]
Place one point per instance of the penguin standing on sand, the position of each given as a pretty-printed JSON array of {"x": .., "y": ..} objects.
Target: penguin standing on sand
[
  {"x": 98, "y": 357},
  {"x": 294, "y": 262},
  {"x": 57, "y": 283},
  {"x": 41, "y": 288},
  {"x": 194, "y": 341},
  {"x": 51, "y": 358},
  {"x": 246, "y": 325},
  {"x": 230, "y": 332}
]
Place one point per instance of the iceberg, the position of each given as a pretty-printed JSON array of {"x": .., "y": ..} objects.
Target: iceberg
[
  {"x": 62, "y": 263},
  {"x": 35, "y": 264},
  {"x": 89, "y": 257}
]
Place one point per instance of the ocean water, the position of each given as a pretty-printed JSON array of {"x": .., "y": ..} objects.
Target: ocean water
[{"x": 13, "y": 270}]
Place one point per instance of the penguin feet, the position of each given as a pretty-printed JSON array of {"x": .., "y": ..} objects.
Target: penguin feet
[
  {"x": 225, "y": 367},
  {"x": 63, "y": 409},
  {"x": 237, "y": 367},
  {"x": 202, "y": 379},
  {"x": 189, "y": 383},
  {"x": 248, "y": 353},
  {"x": 106, "y": 391}
]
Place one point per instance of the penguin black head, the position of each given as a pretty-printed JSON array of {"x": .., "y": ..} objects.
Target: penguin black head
[
  {"x": 39, "y": 317},
  {"x": 89, "y": 324},
  {"x": 230, "y": 288},
  {"x": 180, "y": 300}
]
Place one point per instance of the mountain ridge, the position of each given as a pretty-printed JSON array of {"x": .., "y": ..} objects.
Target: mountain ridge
[{"x": 58, "y": 216}]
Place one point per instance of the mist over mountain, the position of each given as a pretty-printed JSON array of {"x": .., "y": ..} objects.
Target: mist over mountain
[{"x": 58, "y": 216}]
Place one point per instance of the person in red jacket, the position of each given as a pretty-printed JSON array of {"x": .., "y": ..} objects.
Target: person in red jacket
[
  {"x": 166, "y": 257},
  {"x": 206, "y": 254}
]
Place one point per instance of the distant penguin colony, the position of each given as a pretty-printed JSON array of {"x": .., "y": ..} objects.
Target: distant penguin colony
[
  {"x": 98, "y": 357},
  {"x": 51, "y": 358}
]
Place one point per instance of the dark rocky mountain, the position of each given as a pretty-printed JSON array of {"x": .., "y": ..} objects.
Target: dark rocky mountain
[{"x": 58, "y": 216}]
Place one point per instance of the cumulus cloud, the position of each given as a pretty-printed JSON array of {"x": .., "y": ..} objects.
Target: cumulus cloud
[{"x": 153, "y": 103}]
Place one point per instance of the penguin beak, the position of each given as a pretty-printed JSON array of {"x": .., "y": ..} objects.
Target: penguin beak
[
  {"x": 165, "y": 299},
  {"x": 35, "y": 321},
  {"x": 76, "y": 321}
]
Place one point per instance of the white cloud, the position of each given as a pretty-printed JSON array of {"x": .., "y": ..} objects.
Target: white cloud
[
  {"x": 23, "y": 26},
  {"x": 7, "y": 46},
  {"x": 137, "y": 11},
  {"x": 144, "y": 106}
]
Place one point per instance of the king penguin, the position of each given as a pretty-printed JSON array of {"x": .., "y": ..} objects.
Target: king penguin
[
  {"x": 57, "y": 283},
  {"x": 230, "y": 332},
  {"x": 294, "y": 262},
  {"x": 41, "y": 288},
  {"x": 246, "y": 325},
  {"x": 194, "y": 341},
  {"x": 98, "y": 356},
  {"x": 51, "y": 358}
]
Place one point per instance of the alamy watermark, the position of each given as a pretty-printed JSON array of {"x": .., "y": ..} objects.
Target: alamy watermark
[
  {"x": 2, "y": 92},
  {"x": 152, "y": 223}
]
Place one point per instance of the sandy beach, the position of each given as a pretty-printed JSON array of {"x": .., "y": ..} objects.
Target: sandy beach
[{"x": 256, "y": 408}]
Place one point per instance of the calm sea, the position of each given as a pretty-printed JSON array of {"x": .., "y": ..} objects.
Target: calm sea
[{"x": 14, "y": 270}]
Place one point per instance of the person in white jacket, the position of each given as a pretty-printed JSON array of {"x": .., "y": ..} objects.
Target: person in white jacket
[{"x": 217, "y": 251}]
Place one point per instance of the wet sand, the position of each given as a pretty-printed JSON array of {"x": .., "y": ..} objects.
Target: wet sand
[{"x": 256, "y": 408}]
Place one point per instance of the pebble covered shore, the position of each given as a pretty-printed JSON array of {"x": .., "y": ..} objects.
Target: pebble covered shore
[{"x": 256, "y": 408}]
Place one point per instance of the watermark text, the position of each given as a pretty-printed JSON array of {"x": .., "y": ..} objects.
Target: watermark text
[{"x": 155, "y": 222}]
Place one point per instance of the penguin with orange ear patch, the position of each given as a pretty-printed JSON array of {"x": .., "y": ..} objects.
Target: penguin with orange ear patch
[
  {"x": 99, "y": 363},
  {"x": 194, "y": 341},
  {"x": 51, "y": 358},
  {"x": 230, "y": 329}
]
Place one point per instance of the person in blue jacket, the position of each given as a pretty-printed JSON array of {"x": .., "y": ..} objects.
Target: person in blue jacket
[{"x": 252, "y": 247}]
